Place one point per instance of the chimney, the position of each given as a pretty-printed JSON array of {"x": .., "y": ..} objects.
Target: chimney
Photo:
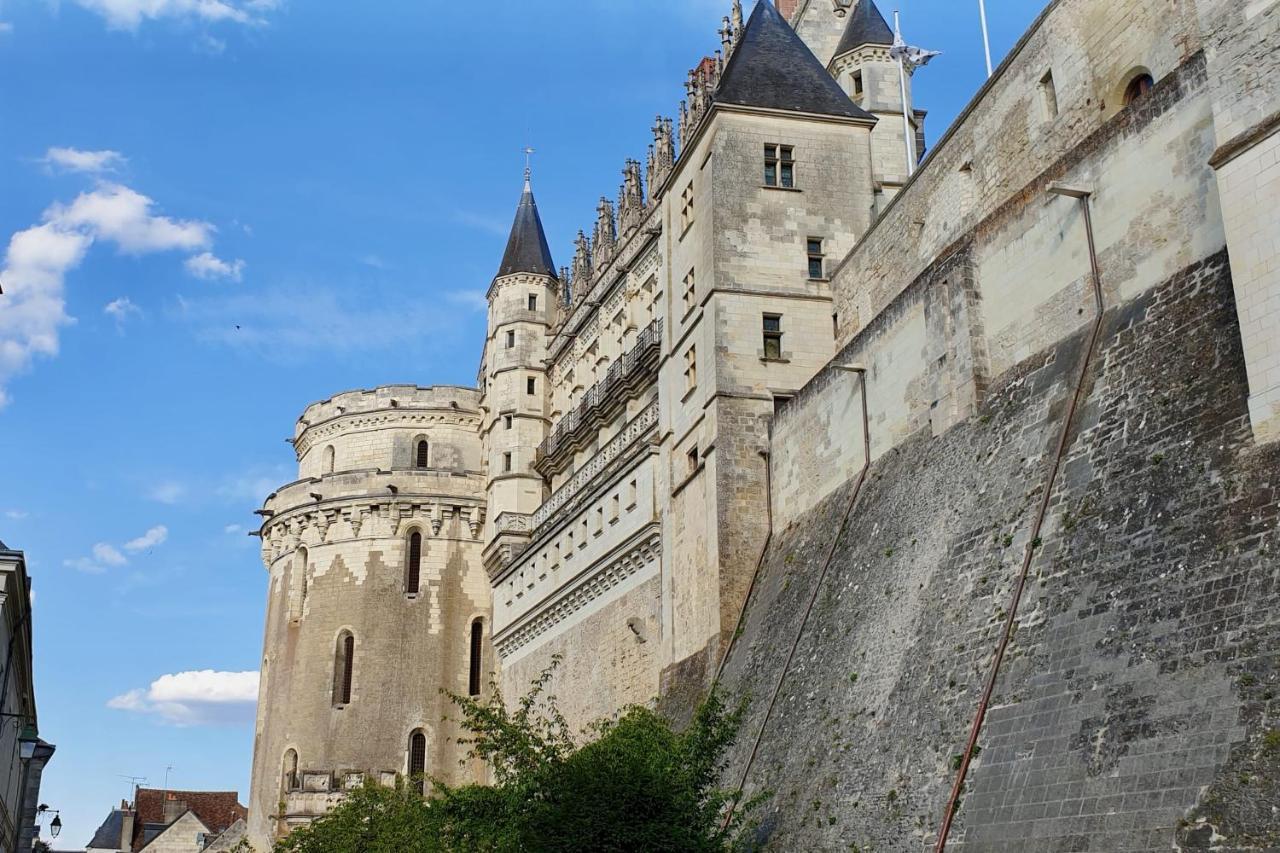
[
  {"x": 126, "y": 828},
  {"x": 787, "y": 8},
  {"x": 173, "y": 808}
]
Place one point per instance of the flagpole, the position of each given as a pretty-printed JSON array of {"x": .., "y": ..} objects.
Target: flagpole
[
  {"x": 986, "y": 39},
  {"x": 907, "y": 135}
]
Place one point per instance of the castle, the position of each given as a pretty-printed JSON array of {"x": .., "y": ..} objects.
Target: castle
[{"x": 803, "y": 417}]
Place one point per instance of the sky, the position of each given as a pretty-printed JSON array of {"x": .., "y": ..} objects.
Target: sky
[{"x": 214, "y": 212}]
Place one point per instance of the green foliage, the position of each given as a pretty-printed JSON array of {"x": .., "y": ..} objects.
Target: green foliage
[{"x": 636, "y": 784}]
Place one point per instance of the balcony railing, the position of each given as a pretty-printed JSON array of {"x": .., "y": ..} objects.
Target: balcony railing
[
  {"x": 564, "y": 501},
  {"x": 602, "y": 401},
  {"x": 513, "y": 522}
]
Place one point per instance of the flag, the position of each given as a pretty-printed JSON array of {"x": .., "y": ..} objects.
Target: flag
[{"x": 913, "y": 56}]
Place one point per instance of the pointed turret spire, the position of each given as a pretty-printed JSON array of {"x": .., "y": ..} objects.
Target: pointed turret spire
[
  {"x": 527, "y": 249},
  {"x": 866, "y": 26}
]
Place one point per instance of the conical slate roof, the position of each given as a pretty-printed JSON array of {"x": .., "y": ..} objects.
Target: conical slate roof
[
  {"x": 773, "y": 69},
  {"x": 866, "y": 26},
  {"x": 527, "y": 249}
]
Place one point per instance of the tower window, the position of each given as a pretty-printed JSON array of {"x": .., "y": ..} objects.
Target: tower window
[
  {"x": 477, "y": 647},
  {"x": 779, "y": 166},
  {"x": 773, "y": 336},
  {"x": 691, "y": 369},
  {"x": 413, "y": 570},
  {"x": 686, "y": 208},
  {"x": 418, "y": 761},
  {"x": 328, "y": 459},
  {"x": 531, "y": 385},
  {"x": 856, "y": 77},
  {"x": 507, "y": 421},
  {"x": 813, "y": 247},
  {"x": 506, "y": 462},
  {"x": 343, "y": 666},
  {"x": 511, "y": 339},
  {"x": 692, "y": 458},
  {"x": 1048, "y": 97},
  {"x": 688, "y": 294},
  {"x": 533, "y": 302},
  {"x": 1138, "y": 87},
  {"x": 422, "y": 455},
  {"x": 290, "y": 776}
]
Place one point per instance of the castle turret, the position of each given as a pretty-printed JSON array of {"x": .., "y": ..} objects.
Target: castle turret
[
  {"x": 377, "y": 600},
  {"x": 523, "y": 305}
]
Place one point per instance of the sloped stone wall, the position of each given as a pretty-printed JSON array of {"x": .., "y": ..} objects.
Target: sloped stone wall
[{"x": 1138, "y": 707}]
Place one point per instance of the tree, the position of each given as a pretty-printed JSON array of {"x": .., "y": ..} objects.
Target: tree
[{"x": 636, "y": 784}]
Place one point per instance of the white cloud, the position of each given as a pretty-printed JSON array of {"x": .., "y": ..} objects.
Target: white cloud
[
  {"x": 108, "y": 555},
  {"x": 121, "y": 309},
  {"x": 233, "y": 528},
  {"x": 38, "y": 259},
  {"x": 204, "y": 697},
  {"x": 155, "y": 536},
  {"x": 480, "y": 222},
  {"x": 86, "y": 565},
  {"x": 6, "y": 27},
  {"x": 208, "y": 267},
  {"x": 75, "y": 160},
  {"x": 476, "y": 300},
  {"x": 128, "y": 14},
  {"x": 15, "y": 514},
  {"x": 168, "y": 492}
]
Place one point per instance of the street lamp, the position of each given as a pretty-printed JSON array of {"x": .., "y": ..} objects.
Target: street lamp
[
  {"x": 27, "y": 742},
  {"x": 55, "y": 826}
]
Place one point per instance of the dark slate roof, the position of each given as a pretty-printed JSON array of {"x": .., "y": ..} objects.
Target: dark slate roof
[
  {"x": 866, "y": 26},
  {"x": 772, "y": 68},
  {"x": 527, "y": 249},
  {"x": 108, "y": 835}
]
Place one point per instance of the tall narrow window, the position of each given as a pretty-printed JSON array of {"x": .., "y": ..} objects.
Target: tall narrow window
[
  {"x": 1138, "y": 87},
  {"x": 422, "y": 455},
  {"x": 779, "y": 166},
  {"x": 298, "y": 585},
  {"x": 856, "y": 78},
  {"x": 413, "y": 571},
  {"x": 328, "y": 459},
  {"x": 688, "y": 295},
  {"x": 813, "y": 249},
  {"x": 477, "y": 647},
  {"x": 686, "y": 207},
  {"x": 692, "y": 457},
  {"x": 772, "y": 336},
  {"x": 511, "y": 339},
  {"x": 289, "y": 778},
  {"x": 418, "y": 761},
  {"x": 1048, "y": 97},
  {"x": 507, "y": 421},
  {"x": 506, "y": 462},
  {"x": 533, "y": 302},
  {"x": 343, "y": 666},
  {"x": 531, "y": 385},
  {"x": 691, "y": 369}
]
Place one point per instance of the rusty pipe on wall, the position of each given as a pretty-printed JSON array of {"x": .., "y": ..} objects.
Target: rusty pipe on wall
[
  {"x": 817, "y": 586},
  {"x": 1082, "y": 194}
]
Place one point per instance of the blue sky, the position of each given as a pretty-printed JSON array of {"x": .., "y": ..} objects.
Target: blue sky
[{"x": 245, "y": 206}]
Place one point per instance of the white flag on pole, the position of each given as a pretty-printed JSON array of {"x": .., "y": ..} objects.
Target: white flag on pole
[{"x": 913, "y": 56}]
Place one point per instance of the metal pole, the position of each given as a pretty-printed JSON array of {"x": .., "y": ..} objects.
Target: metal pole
[
  {"x": 986, "y": 39},
  {"x": 907, "y": 134}
]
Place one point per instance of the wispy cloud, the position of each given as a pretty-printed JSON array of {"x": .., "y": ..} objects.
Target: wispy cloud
[
  {"x": 376, "y": 262},
  {"x": 233, "y": 528},
  {"x": 474, "y": 300},
  {"x": 15, "y": 514},
  {"x": 75, "y": 160},
  {"x": 5, "y": 27},
  {"x": 155, "y": 536},
  {"x": 195, "y": 698},
  {"x": 480, "y": 222},
  {"x": 121, "y": 309},
  {"x": 209, "y": 267},
  {"x": 129, "y": 14},
  {"x": 38, "y": 259},
  {"x": 167, "y": 492}
]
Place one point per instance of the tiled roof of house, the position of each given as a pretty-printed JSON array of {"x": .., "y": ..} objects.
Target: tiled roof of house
[{"x": 217, "y": 810}]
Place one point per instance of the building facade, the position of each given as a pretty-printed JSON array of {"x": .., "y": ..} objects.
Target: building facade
[{"x": 613, "y": 484}]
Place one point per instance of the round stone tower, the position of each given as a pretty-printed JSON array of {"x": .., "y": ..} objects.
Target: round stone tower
[{"x": 377, "y": 599}]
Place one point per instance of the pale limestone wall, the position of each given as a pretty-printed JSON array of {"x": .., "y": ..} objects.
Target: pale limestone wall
[
  {"x": 1005, "y": 142},
  {"x": 1244, "y": 71},
  {"x": 335, "y": 547},
  {"x": 184, "y": 835},
  {"x": 820, "y": 24}
]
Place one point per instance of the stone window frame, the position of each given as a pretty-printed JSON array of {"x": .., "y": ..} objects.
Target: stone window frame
[
  {"x": 510, "y": 342},
  {"x": 413, "y": 590},
  {"x": 475, "y": 654},
  {"x": 344, "y": 667},
  {"x": 1048, "y": 91},
  {"x": 690, "y": 371},
  {"x": 290, "y": 776},
  {"x": 409, "y": 771},
  {"x": 771, "y": 334},
  {"x": 532, "y": 302},
  {"x": 686, "y": 209},
  {"x": 330, "y": 459},
  {"x": 779, "y": 166},
  {"x": 421, "y": 460},
  {"x": 298, "y": 583},
  {"x": 818, "y": 255},
  {"x": 1138, "y": 83}
]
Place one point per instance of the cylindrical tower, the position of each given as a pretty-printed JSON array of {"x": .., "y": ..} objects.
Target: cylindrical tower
[{"x": 377, "y": 599}]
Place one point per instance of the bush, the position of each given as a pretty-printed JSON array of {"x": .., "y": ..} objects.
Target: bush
[{"x": 637, "y": 785}]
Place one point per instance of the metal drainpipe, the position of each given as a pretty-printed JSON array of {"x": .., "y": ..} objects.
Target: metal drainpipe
[
  {"x": 1082, "y": 194},
  {"x": 844, "y": 522}
]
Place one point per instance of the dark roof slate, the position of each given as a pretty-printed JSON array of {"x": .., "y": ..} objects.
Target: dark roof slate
[
  {"x": 108, "y": 835},
  {"x": 866, "y": 26},
  {"x": 527, "y": 249},
  {"x": 772, "y": 68}
]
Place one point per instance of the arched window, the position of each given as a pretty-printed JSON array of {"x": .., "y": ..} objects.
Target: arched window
[
  {"x": 343, "y": 663},
  {"x": 477, "y": 647},
  {"x": 418, "y": 761},
  {"x": 413, "y": 565},
  {"x": 298, "y": 585},
  {"x": 422, "y": 455},
  {"x": 290, "y": 779},
  {"x": 328, "y": 459},
  {"x": 1138, "y": 87}
]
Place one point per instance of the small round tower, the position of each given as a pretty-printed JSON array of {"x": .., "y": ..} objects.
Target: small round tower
[{"x": 377, "y": 599}]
